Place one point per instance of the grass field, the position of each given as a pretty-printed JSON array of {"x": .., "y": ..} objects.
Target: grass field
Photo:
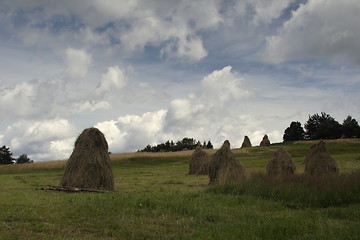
[{"x": 155, "y": 198}]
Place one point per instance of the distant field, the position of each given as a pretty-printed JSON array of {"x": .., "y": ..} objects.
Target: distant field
[{"x": 155, "y": 198}]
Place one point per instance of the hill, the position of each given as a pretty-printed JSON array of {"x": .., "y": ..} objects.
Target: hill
[{"x": 154, "y": 198}]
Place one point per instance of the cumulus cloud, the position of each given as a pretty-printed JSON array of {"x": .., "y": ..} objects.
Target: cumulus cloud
[
  {"x": 171, "y": 26},
  {"x": 89, "y": 105},
  {"x": 268, "y": 10},
  {"x": 318, "y": 29},
  {"x": 41, "y": 140},
  {"x": 132, "y": 132},
  {"x": 113, "y": 79},
  {"x": 77, "y": 62},
  {"x": 31, "y": 99},
  {"x": 17, "y": 100},
  {"x": 203, "y": 115}
]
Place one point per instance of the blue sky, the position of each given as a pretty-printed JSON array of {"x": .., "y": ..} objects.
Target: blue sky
[{"x": 144, "y": 72}]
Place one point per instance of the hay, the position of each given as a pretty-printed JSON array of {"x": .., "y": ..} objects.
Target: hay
[
  {"x": 308, "y": 155},
  {"x": 224, "y": 168},
  {"x": 89, "y": 164},
  {"x": 265, "y": 142},
  {"x": 281, "y": 163},
  {"x": 246, "y": 142},
  {"x": 319, "y": 161},
  {"x": 199, "y": 162}
]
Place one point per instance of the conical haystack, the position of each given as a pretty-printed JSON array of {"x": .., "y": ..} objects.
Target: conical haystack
[
  {"x": 224, "y": 168},
  {"x": 312, "y": 147},
  {"x": 265, "y": 142},
  {"x": 319, "y": 161},
  {"x": 281, "y": 163},
  {"x": 89, "y": 164},
  {"x": 246, "y": 142},
  {"x": 199, "y": 162}
]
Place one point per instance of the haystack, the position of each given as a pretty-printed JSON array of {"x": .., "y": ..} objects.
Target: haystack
[
  {"x": 246, "y": 142},
  {"x": 319, "y": 161},
  {"x": 89, "y": 164},
  {"x": 281, "y": 163},
  {"x": 265, "y": 142},
  {"x": 224, "y": 168},
  {"x": 199, "y": 162},
  {"x": 312, "y": 147}
]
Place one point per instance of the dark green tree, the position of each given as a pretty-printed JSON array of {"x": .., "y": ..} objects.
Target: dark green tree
[
  {"x": 209, "y": 145},
  {"x": 351, "y": 128},
  {"x": 322, "y": 127},
  {"x": 23, "y": 158},
  {"x": 6, "y": 156},
  {"x": 294, "y": 132}
]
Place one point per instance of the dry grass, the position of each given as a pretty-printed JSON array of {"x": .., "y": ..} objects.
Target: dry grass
[
  {"x": 113, "y": 157},
  {"x": 89, "y": 164},
  {"x": 246, "y": 142},
  {"x": 281, "y": 163},
  {"x": 33, "y": 166},
  {"x": 319, "y": 161},
  {"x": 224, "y": 168},
  {"x": 346, "y": 140},
  {"x": 265, "y": 141},
  {"x": 125, "y": 156},
  {"x": 199, "y": 162}
]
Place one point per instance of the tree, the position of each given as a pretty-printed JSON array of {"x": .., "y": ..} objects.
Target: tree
[
  {"x": 209, "y": 145},
  {"x": 23, "y": 159},
  {"x": 6, "y": 156},
  {"x": 351, "y": 128},
  {"x": 322, "y": 127},
  {"x": 294, "y": 132}
]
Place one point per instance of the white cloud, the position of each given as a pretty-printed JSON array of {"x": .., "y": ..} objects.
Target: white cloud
[
  {"x": 268, "y": 10},
  {"x": 203, "y": 115},
  {"x": 223, "y": 85},
  {"x": 77, "y": 62},
  {"x": 41, "y": 139},
  {"x": 17, "y": 100},
  {"x": 318, "y": 29},
  {"x": 132, "y": 132},
  {"x": 190, "y": 49},
  {"x": 114, "y": 79},
  {"x": 171, "y": 26},
  {"x": 89, "y": 105}
]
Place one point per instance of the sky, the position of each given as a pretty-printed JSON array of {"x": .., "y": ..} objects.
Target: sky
[{"x": 148, "y": 71}]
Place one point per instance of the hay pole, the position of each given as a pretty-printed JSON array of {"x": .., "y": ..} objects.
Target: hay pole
[{"x": 70, "y": 189}]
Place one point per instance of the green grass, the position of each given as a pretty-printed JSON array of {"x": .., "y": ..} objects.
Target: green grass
[{"x": 154, "y": 198}]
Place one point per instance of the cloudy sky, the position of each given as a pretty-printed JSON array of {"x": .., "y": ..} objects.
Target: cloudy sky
[{"x": 147, "y": 71}]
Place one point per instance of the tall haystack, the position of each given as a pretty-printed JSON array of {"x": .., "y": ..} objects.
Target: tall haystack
[
  {"x": 246, "y": 142},
  {"x": 265, "y": 142},
  {"x": 312, "y": 147},
  {"x": 281, "y": 163},
  {"x": 199, "y": 162},
  {"x": 89, "y": 164},
  {"x": 319, "y": 161},
  {"x": 224, "y": 168}
]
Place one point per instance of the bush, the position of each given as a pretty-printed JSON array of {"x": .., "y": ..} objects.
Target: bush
[{"x": 23, "y": 159}]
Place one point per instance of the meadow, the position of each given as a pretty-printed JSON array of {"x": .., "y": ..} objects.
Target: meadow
[{"x": 155, "y": 198}]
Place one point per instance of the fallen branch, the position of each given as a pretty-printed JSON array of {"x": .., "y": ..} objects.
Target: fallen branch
[{"x": 69, "y": 189}]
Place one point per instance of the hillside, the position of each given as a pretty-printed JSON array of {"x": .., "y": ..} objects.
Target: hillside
[{"x": 155, "y": 198}]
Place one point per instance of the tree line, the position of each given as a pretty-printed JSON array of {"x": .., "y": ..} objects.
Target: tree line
[
  {"x": 169, "y": 146},
  {"x": 322, "y": 126},
  {"x": 7, "y": 158}
]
